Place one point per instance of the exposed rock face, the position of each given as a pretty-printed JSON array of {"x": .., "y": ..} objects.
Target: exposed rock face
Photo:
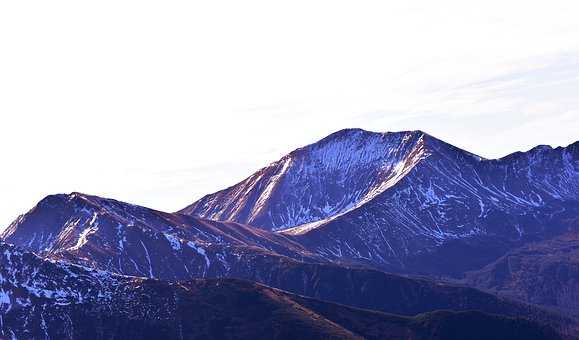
[
  {"x": 318, "y": 181},
  {"x": 134, "y": 240},
  {"x": 327, "y": 221},
  {"x": 131, "y": 240},
  {"x": 405, "y": 201}
]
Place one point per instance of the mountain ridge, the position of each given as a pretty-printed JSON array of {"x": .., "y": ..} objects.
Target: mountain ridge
[
  {"x": 404, "y": 202},
  {"x": 383, "y": 198},
  {"x": 434, "y": 144},
  {"x": 54, "y": 300},
  {"x": 329, "y": 156},
  {"x": 153, "y": 248}
]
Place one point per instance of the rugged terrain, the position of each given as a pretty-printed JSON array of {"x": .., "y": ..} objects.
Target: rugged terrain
[
  {"x": 134, "y": 240},
  {"x": 126, "y": 239},
  {"x": 44, "y": 299},
  {"x": 406, "y": 201},
  {"x": 545, "y": 273},
  {"x": 345, "y": 223}
]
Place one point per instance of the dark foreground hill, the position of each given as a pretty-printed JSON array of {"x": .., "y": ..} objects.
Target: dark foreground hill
[
  {"x": 40, "y": 299},
  {"x": 545, "y": 273}
]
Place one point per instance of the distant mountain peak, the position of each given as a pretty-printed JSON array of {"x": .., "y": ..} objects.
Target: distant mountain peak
[
  {"x": 69, "y": 199},
  {"x": 381, "y": 197},
  {"x": 351, "y": 134},
  {"x": 136, "y": 240},
  {"x": 340, "y": 171}
]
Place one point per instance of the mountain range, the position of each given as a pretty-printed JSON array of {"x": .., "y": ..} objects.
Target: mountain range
[
  {"x": 405, "y": 201},
  {"x": 41, "y": 299},
  {"x": 361, "y": 234}
]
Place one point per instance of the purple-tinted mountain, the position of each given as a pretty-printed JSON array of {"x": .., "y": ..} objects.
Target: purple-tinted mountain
[
  {"x": 321, "y": 180},
  {"x": 41, "y": 299},
  {"x": 326, "y": 221},
  {"x": 405, "y": 201},
  {"x": 133, "y": 240},
  {"x": 127, "y": 239},
  {"x": 545, "y": 273}
]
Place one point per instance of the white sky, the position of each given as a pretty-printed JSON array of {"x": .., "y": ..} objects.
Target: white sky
[{"x": 160, "y": 102}]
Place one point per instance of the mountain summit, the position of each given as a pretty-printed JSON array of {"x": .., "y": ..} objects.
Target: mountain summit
[
  {"x": 337, "y": 174},
  {"x": 326, "y": 221},
  {"x": 405, "y": 201},
  {"x": 133, "y": 240}
]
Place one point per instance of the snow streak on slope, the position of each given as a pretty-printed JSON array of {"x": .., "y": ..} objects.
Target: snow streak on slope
[
  {"x": 25, "y": 278},
  {"x": 384, "y": 198},
  {"x": 333, "y": 176},
  {"x": 41, "y": 299},
  {"x": 450, "y": 201},
  {"x": 134, "y": 240}
]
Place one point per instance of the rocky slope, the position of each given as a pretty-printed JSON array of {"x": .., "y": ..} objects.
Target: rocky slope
[
  {"x": 52, "y": 300},
  {"x": 338, "y": 173},
  {"x": 545, "y": 273},
  {"x": 406, "y": 201},
  {"x": 331, "y": 217},
  {"x": 122, "y": 238},
  {"x": 134, "y": 240}
]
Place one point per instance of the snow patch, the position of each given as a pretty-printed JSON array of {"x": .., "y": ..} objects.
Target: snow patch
[
  {"x": 173, "y": 241},
  {"x": 200, "y": 251}
]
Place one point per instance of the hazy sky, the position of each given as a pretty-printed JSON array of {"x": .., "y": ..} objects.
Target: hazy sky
[{"x": 160, "y": 102}]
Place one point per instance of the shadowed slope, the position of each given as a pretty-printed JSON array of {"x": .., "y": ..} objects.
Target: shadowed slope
[
  {"x": 128, "y": 239},
  {"x": 38, "y": 301}
]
